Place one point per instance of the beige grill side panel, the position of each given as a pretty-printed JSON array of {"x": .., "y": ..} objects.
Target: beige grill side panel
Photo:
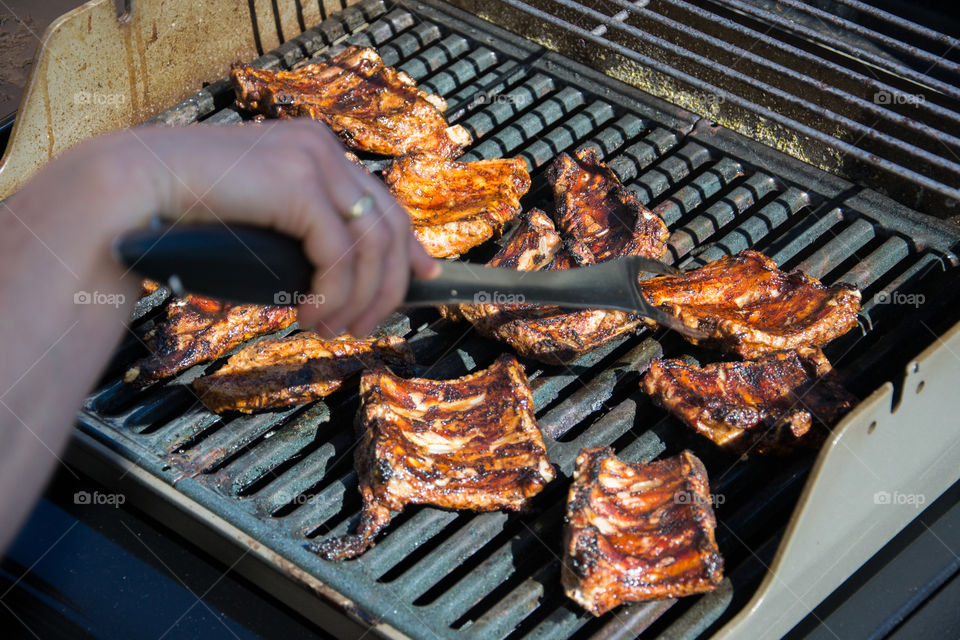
[
  {"x": 95, "y": 71},
  {"x": 877, "y": 472}
]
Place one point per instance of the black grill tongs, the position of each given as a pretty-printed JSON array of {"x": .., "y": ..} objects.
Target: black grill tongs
[{"x": 257, "y": 265}]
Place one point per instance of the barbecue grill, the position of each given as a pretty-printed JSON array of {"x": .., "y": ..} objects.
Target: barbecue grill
[{"x": 259, "y": 490}]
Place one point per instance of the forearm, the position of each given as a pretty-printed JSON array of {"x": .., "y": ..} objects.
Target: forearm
[{"x": 54, "y": 343}]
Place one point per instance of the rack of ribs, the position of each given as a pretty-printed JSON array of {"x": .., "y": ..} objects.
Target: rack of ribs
[
  {"x": 296, "y": 369},
  {"x": 468, "y": 443},
  {"x": 769, "y": 405},
  {"x": 750, "y": 307},
  {"x": 598, "y": 220},
  {"x": 638, "y": 531},
  {"x": 198, "y": 329},
  {"x": 455, "y": 206},
  {"x": 371, "y": 106}
]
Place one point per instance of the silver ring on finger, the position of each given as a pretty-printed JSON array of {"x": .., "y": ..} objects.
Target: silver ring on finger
[{"x": 359, "y": 208}]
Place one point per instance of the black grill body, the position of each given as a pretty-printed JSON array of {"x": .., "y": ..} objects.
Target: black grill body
[{"x": 277, "y": 481}]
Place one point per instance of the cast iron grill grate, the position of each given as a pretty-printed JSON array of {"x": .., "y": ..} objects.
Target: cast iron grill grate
[
  {"x": 286, "y": 477},
  {"x": 842, "y": 85}
]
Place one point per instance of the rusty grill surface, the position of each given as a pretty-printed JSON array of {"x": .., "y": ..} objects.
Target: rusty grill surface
[
  {"x": 286, "y": 477},
  {"x": 841, "y": 85}
]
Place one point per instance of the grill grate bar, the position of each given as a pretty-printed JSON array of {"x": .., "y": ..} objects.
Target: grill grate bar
[
  {"x": 934, "y": 185},
  {"x": 881, "y": 260},
  {"x": 616, "y": 135},
  {"x": 927, "y": 263},
  {"x": 260, "y": 460},
  {"x": 796, "y": 239},
  {"x": 881, "y": 62},
  {"x": 519, "y": 98},
  {"x": 325, "y": 504},
  {"x": 296, "y": 481},
  {"x": 903, "y": 23},
  {"x": 654, "y": 146},
  {"x": 565, "y": 135},
  {"x": 843, "y": 244},
  {"x": 852, "y": 91},
  {"x": 746, "y": 81},
  {"x": 733, "y": 205},
  {"x": 406, "y": 539},
  {"x": 699, "y": 617},
  {"x": 426, "y": 62},
  {"x": 547, "y": 112},
  {"x": 755, "y": 228},
  {"x": 590, "y": 397},
  {"x": 213, "y": 450},
  {"x": 634, "y": 620},
  {"x": 699, "y": 190},
  {"x": 928, "y": 58},
  {"x": 460, "y": 73}
]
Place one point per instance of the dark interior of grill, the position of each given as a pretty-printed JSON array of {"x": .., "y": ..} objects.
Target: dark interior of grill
[{"x": 286, "y": 477}]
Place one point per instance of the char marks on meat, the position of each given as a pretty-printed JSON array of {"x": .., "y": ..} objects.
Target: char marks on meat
[
  {"x": 454, "y": 206},
  {"x": 775, "y": 404},
  {"x": 469, "y": 443},
  {"x": 750, "y": 307},
  {"x": 371, "y": 106},
  {"x": 296, "y": 369},
  {"x": 638, "y": 531},
  {"x": 598, "y": 219},
  {"x": 198, "y": 329}
]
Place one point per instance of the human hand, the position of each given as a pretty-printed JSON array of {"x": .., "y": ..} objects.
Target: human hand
[{"x": 288, "y": 175}]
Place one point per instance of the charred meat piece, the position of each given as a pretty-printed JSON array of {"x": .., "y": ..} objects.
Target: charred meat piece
[
  {"x": 599, "y": 220},
  {"x": 638, "y": 531},
  {"x": 199, "y": 329},
  {"x": 371, "y": 106},
  {"x": 768, "y": 405},
  {"x": 295, "y": 370},
  {"x": 469, "y": 443},
  {"x": 533, "y": 245},
  {"x": 750, "y": 307},
  {"x": 454, "y": 206}
]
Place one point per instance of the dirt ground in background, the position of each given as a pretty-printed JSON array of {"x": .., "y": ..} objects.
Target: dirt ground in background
[{"x": 22, "y": 22}]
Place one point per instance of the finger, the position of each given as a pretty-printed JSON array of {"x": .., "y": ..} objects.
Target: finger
[
  {"x": 393, "y": 287},
  {"x": 422, "y": 265},
  {"x": 331, "y": 284},
  {"x": 372, "y": 236},
  {"x": 372, "y": 245},
  {"x": 397, "y": 265}
]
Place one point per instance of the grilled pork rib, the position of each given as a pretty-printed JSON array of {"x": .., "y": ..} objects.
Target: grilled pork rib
[
  {"x": 371, "y": 106},
  {"x": 750, "y": 307},
  {"x": 599, "y": 220},
  {"x": 768, "y": 405},
  {"x": 454, "y": 206},
  {"x": 638, "y": 531},
  {"x": 469, "y": 443},
  {"x": 199, "y": 329},
  {"x": 295, "y": 370}
]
